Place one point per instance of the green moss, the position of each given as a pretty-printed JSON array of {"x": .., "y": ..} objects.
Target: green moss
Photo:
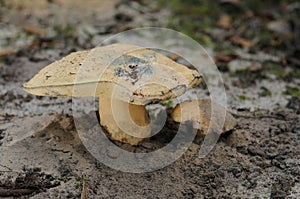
[
  {"x": 293, "y": 91},
  {"x": 78, "y": 183},
  {"x": 247, "y": 77},
  {"x": 65, "y": 31},
  {"x": 168, "y": 103},
  {"x": 293, "y": 74},
  {"x": 2, "y": 3},
  {"x": 265, "y": 92},
  {"x": 224, "y": 49},
  {"x": 191, "y": 7},
  {"x": 281, "y": 72},
  {"x": 203, "y": 40},
  {"x": 243, "y": 97},
  {"x": 264, "y": 38},
  {"x": 253, "y": 4},
  {"x": 276, "y": 69}
]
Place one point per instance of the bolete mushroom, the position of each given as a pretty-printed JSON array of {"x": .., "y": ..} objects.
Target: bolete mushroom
[
  {"x": 203, "y": 116},
  {"x": 124, "y": 77}
]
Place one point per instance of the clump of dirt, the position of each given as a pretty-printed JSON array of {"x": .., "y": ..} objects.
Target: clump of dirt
[
  {"x": 282, "y": 186},
  {"x": 28, "y": 182}
]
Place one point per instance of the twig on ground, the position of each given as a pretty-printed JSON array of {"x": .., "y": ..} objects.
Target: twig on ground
[{"x": 84, "y": 190}]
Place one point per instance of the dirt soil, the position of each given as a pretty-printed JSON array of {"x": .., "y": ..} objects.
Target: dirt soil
[{"x": 43, "y": 157}]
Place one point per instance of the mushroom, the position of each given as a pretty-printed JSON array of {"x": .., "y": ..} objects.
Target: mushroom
[
  {"x": 125, "y": 78},
  {"x": 202, "y": 117}
]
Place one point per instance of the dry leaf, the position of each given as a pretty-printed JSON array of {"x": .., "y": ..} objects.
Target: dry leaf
[
  {"x": 225, "y": 22},
  {"x": 237, "y": 40},
  {"x": 225, "y": 57},
  {"x": 6, "y": 52},
  {"x": 33, "y": 29}
]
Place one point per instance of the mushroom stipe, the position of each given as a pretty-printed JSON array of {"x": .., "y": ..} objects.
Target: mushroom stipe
[{"x": 125, "y": 78}]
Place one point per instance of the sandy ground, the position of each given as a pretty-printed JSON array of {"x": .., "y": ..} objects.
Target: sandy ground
[{"x": 43, "y": 157}]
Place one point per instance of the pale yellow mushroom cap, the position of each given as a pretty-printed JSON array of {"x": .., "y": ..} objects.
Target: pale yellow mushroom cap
[{"x": 134, "y": 74}]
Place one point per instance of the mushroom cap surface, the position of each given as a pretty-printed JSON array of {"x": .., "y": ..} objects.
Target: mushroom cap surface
[
  {"x": 203, "y": 115},
  {"x": 126, "y": 72}
]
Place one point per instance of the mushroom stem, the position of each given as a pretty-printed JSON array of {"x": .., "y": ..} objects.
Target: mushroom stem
[{"x": 123, "y": 121}]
